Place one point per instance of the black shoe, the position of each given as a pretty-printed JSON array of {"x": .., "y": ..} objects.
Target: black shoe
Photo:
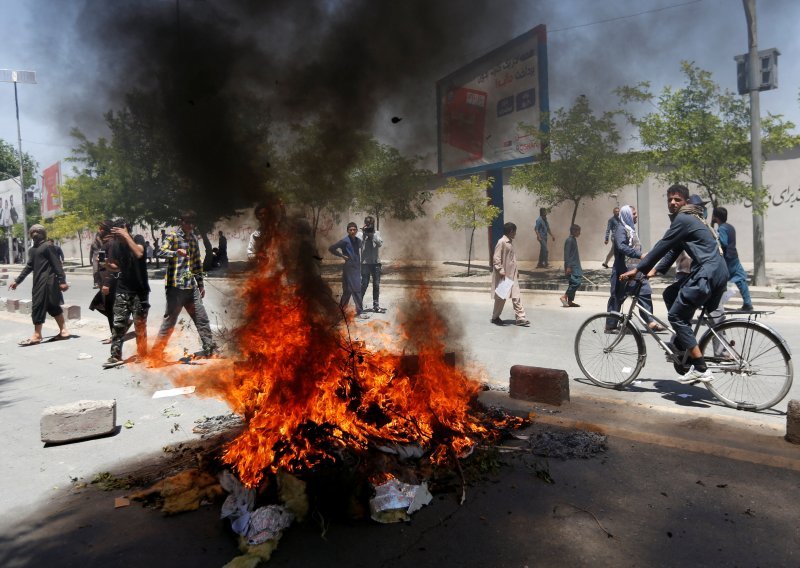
[
  {"x": 746, "y": 308},
  {"x": 497, "y": 321},
  {"x": 378, "y": 310},
  {"x": 605, "y": 265}
]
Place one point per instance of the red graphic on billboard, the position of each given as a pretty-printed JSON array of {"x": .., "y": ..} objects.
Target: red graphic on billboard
[
  {"x": 464, "y": 120},
  {"x": 51, "y": 196}
]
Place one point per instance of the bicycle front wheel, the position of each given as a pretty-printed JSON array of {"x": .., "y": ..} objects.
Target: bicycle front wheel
[
  {"x": 752, "y": 366},
  {"x": 609, "y": 358}
]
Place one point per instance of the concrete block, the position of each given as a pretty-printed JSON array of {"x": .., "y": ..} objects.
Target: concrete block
[
  {"x": 12, "y": 304},
  {"x": 3, "y": 304},
  {"x": 78, "y": 421},
  {"x": 72, "y": 311},
  {"x": 537, "y": 384},
  {"x": 793, "y": 422},
  {"x": 25, "y": 306}
]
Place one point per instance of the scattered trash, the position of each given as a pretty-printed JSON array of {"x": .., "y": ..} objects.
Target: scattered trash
[
  {"x": 210, "y": 426},
  {"x": 173, "y": 392},
  {"x": 106, "y": 481},
  {"x": 267, "y": 523},
  {"x": 394, "y": 501},
  {"x": 182, "y": 492},
  {"x": 84, "y": 356},
  {"x": 171, "y": 411},
  {"x": 404, "y": 452},
  {"x": 238, "y": 504},
  {"x": 128, "y": 424},
  {"x": 120, "y": 502},
  {"x": 569, "y": 444}
]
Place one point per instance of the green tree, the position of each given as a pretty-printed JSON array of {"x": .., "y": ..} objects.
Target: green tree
[
  {"x": 700, "y": 134},
  {"x": 387, "y": 184},
  {"x": 9, "y": 164},
  {"x": 315, "y": 169},
  {"x": 582, "y": 159},
  {"x": 470, "y": 207}
]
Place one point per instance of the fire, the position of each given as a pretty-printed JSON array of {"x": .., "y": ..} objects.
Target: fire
[{"x": 308, "y": 390}]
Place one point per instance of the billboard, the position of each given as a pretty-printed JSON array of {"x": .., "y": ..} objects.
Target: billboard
[
  {"x": 10, "y": 202},
  {"x": 51, "y": 196},
  {"x": 481, "y": 105}
]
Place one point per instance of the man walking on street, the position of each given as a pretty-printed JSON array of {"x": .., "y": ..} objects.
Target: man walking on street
[
  {"x": 349, "y": 248},
  {"x": 504, "y": 263},
  {"x": 610, "y": 228},
  {"x": 727, "y": 238},
  {"x": 371, "y": 242},
  {"x": 49, "y": 281},
  {"x": 572, "y": 267},
  {"x": 126, "y": 255},
  {"x": 184, "y": 285},
  {"x": 542, "y": 229}
]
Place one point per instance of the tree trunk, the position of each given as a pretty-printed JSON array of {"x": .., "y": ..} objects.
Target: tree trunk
[
  {"x": 469, "y": 254},
  {"x": 80, "y": 246},
  {"x": 574, "y": 213}
]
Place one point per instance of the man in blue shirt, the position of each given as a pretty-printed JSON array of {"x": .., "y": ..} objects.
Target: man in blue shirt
[
  {"x": 572, "y": 267},
  {"x": 610, "y": 227},
  {"x": 727, "y": 238}
]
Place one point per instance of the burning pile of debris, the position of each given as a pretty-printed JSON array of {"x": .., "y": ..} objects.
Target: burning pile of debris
[{"x": 333, "y": 420}]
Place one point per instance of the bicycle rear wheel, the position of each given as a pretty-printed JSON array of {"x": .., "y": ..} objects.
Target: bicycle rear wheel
[
  {"x": 752, "y": 366},
  {"x": 609, "y": 359}
]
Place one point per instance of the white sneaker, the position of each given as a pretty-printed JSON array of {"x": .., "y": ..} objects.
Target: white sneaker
[{"x": 695, "y": 376}]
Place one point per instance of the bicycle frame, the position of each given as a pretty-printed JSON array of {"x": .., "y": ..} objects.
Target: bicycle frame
[{"x": 673, "y": 355}]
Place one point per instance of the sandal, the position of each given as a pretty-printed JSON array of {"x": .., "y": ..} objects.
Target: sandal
[
  {"x": 656, "y": 327},
  {"x": 28, "y": 342}
]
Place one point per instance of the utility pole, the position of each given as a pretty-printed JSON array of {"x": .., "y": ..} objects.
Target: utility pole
[
  {"x": 10, "y": 76},
  {"x": 759, "y": 263}
]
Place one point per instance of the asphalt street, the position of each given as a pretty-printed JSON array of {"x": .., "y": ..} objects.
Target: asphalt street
[{"x": 33, "y": 378}]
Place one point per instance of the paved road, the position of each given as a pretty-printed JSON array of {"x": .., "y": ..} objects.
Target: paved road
[{"x": 35, "y": 477}]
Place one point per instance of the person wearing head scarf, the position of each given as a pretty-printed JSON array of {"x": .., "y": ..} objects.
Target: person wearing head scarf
[
  {"x": 627, "y": 252},
  {"x": 49, "y": 281}
]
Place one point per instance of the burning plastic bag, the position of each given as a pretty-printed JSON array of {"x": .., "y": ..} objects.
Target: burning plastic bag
[{"x": 394, "y": 501}]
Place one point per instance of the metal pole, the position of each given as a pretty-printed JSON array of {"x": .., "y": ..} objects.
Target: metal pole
[
  {"x": 759, "y": 263},
  {"x": 22, "y": 184}
]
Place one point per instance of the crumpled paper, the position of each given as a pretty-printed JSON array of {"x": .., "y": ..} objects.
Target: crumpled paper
[
  {"x": 394, "y": 501},
  {"x": 266, "y": 523}
]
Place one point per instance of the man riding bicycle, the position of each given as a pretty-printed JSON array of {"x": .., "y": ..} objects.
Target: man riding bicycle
[{"x": 707, "y": 278}]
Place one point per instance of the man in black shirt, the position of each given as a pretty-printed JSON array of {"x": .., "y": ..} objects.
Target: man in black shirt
[
  {"x": 49, "y": 281},
  {"x": 132, "y": 297}
]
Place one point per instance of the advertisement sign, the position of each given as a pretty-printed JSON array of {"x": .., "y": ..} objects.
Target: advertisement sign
[
  {"x": 10, "y": 202},
  {"x": 51, "y": 196},
  {"x": 480, "y": 107}
]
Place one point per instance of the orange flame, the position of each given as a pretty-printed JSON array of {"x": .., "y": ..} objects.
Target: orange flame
[{"x": 308, "y": 390}]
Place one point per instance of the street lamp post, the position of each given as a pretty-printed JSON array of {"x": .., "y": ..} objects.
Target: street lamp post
[{"x": 11, "y": 76}]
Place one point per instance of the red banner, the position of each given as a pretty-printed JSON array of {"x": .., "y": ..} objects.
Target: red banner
[{"x": 51, "y": 196}]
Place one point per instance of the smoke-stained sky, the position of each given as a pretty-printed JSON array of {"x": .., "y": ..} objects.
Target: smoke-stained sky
[{"x": 365, "y": 61}]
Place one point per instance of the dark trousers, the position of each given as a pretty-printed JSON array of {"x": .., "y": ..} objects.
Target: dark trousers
[
  {"x": 190, "y": 300},
  {"x": 619, "y": 290},
  {"x": 127, "y": 304},
  {"x": 372, "y": 271},
  {"x": 573, "y": 282},
  {"x": 692, "y": 295},
  {"x": 543, "y": 255}
]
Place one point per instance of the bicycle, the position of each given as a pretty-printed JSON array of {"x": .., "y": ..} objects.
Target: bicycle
[{"x": 751, "y": 362}]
